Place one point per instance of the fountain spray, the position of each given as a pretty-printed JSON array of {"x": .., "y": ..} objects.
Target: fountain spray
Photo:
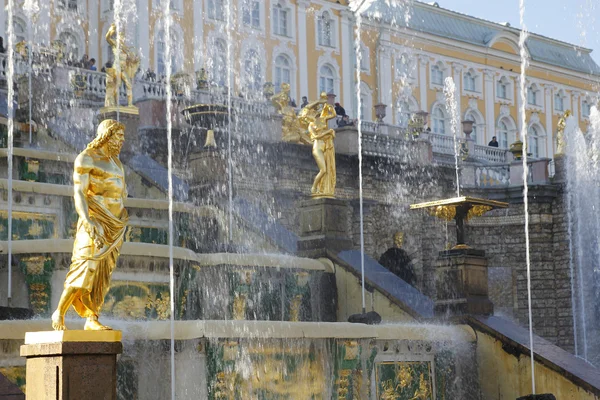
[
  {"x": 523, "y": 94},
  {"x": 10, "y": 76},
  {"x": 452, "y": 108}
]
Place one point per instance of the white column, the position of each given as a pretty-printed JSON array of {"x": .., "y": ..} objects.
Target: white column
[
  {"x": 385, "y": 81},
  {"x": 302, "y": 50},
  {"x": 488, "y": 93},
  {"x": 144, "y": 32},
  {"x": 198, "y": 36},
  {"x": 423, "y": 65},
  {"x": 457, "y": 75},
  {"x": 549, "y": 130},
  {"x": 93, "y": 32}
]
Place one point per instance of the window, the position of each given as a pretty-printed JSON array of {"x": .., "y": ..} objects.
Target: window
[
  {"x": 216, "y": 10},
  {"x": 469, "y": 79},
  {"x": 366, "y": 102},
  {"x": 19, "y": 30},
  {"x": 251, "y": 13},
  {"x": 68, "y": 4},
  {"x": 439, "y": 120},
  {"x": 280, "y": 21},
  {"x": 325, "y": 30},
  {"x": 252, "y": 71},
  {"x": 533, "y": 142},
  {"x": 502, "y": 89},
  {"x": 402, "y": 66},
  {"x": 559, "y": 102},
  {"x": 403, "y": 114},
  {"x": 218, "y": 63},
  {"x": 502, "y": 134},
  {"x": 326, "y": 79},
  {"x": 532, "y": 95},
  {"x": 71, "y": 45},
  {"x": 364, "y": 58},
  {"x": 161, "y": 63},
  {"x": 283, "y": 72},
  {"x": 437, "y": 75},
  {"x": 586, "y": 109}
]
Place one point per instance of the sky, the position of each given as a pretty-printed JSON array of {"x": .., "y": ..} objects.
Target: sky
[{"x": 572, "y": 21}]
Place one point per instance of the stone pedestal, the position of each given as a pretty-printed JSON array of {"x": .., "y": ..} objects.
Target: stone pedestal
[
  {"x": 461, "y": 280},
  {"x": 72, "y": 365},
  {"x": 325, "y": 224},
  {"x": 128, "y": 116}
]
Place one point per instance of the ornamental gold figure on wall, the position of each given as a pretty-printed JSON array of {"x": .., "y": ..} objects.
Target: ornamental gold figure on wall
[
  {"x": 99, "y": 196},
  {"x": 128, "y": 62}
]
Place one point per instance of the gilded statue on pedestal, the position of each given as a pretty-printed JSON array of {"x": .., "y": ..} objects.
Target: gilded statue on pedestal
[
  {"x": 318, "y": 114},
  {"x": 128, "y": 63},
  {"x": 292, "y": 128},
  {"x": 99, "y": 196},
  {"x": 561, "y": 143}
]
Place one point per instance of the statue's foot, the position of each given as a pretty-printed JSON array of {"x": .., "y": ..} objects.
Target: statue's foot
[
  {"x": 58, "y": 322},
  {"x": 94, "y": 325}
]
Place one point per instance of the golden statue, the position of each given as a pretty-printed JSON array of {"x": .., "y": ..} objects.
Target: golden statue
[
  {"x": 423, "y": 391},
  {"x": 561, "y": 143},
  {"x": 318, "y": 114},
  {"x": 292, "y": 127},
  {"x": 99, "y": 195},
  {"x": 128, "y": 63}
]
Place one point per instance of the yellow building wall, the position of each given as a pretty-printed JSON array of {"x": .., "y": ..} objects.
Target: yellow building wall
[
  {"x": 502, "y": 376},
  {"x": 350, "y": 300}
]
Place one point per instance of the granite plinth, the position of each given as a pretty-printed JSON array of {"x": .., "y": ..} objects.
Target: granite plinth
[
  {"x": 324, "y": 225},
  {"x": 538, "y": 397},
  {"x": 15, "y": 313},
  {"x": 71, "y": 365},
  {"x": 461, "y": 280}
]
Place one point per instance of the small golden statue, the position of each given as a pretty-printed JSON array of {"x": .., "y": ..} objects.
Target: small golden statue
[
  {"x": 318, "y": 114},
  {"x": 293, "y": 129},
  {"x": 561, "y": 143},
  {"x": 99, "y": 195},
  {"x": 128, "y": 63}
]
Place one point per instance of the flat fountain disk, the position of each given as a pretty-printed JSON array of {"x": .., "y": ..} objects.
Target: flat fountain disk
[{"x": 460, "y": 201}]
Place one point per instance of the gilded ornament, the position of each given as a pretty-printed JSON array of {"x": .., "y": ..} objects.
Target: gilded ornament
[
  {"x": 560, "y": 134},
  {"x": 423, "y": 392},
  {"x": 295, "y": 308},
  {"x": 100, "y": 229},
  {"x": 405, "y": 376},
  {"x": 478, "y": 211},
  {"x": 239, "y": 306},
  {"x": 294, "y": 129}
]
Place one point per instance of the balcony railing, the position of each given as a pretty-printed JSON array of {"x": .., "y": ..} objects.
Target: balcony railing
[
  {"x": 492, "y": 154},
  {"x": 443, "y": 144}
]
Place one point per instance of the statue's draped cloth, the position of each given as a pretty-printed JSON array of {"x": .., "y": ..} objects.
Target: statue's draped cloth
[
  {"x": 92, "y": 267},
  {"x": 327, "y": 184}
]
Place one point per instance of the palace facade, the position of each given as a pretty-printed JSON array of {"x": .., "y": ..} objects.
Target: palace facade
[{"x": 405, "y": 55}]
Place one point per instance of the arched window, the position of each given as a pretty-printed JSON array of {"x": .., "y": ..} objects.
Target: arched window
[
  {"x": 502, "y": 133},
  {"x": 326, "y": 79},
  {"x": 71, "y": 45},
  {"x": 439, "y": 120},
  {"x": 218, "y": 63},
  {"x": 325, "y": 30},
  {"x": 533, "y": 141},
  {"x": 469, "y": 79},
  {"x": 437, "y": 75},
  {"x": 283, "y": 72},
  {"x": 403, "y": 114},
  {"x": 161, "y": 46},
  {"x": 216, "y": 10},
  {"x": 252, "y": 71},
  {"x": 251, "y": 13}
]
